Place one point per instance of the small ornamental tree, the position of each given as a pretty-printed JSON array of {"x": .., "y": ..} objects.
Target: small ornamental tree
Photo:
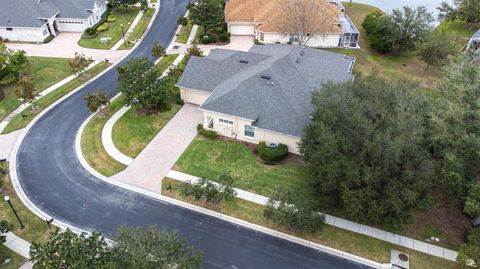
[
  {"x": 194, "y": 50},
  {"x": 12, "y": 63},
  {"x": 69, "y": 250},
  {"x": 215, "y": 191},
  {"x": 436, "y": 48},
  {"x": 153, "y": 249},
  {"x": 182, "y": 21},
  {"x": 288, "y": 209},
  {"x": 5, "y": 227},
  {"x": 208, "y": 14},
  {"x": 157, "y": 51},
  {"x": 27, "y": 93},
  {"x": 79, "y": 63},
  {"x": 97, "y": 102}
]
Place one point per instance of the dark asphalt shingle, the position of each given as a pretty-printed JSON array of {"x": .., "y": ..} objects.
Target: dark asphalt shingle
[{"x": 282, "y": 103}]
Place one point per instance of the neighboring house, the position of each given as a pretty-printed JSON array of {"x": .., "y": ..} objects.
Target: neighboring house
[
  {"x": 35, "y": 20},
  {"x": 263, "y": 19},
  {"x": 261, "y": 95},
  {"x": 474, "y": 43}
]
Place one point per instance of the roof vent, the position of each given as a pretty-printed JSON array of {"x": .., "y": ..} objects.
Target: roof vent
[
  {"x": 297, "y": 60},
  {"x": 302, "y": 52},
  {"x": 267, "y": 77},
  {"x": 244, "y": 61}
]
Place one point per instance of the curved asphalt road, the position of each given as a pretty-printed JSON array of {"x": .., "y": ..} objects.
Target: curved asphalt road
[{"x": 54, "y": 180}]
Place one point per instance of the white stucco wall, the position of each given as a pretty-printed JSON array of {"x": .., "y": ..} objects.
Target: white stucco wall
[
  {"x": 79, "y": 25},
  {"x": 237, "y": 131},
  {"x": 318, "y": 41},
  {"x": 24, "y": 34}
]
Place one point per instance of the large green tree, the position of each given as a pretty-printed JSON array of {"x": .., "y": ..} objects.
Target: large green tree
[
  {"x": 456, "y": 126},
  {"x": 150, "y": 248},
  {"x": 69, "y": 250},
  {"x": 365, "y": 147},
  {"x": 12, "y": 63},
  {"x": 466, "y": 10},
  {"x": 141, "y": 86},
  {"x": 436, "y": 49},
  {"x": 207, "y": 13}
]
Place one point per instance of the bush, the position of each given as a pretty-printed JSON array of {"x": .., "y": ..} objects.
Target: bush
[
  {"x": 270, "y": 154},
  {"x": 209, "y": 134},
  {"x": 182, "y": 21},
  {"x": 206, "y": 39},
  {"x": 219, "y": 30},
  {"x": 111, "y": 18},
  {"x": 90, "y": 31},
  {"x": 258, "y": 42},
  {"x": 224, "y": 37},
  {"x": 103, "y": 27},
  {"x": 48, "y": 39}
]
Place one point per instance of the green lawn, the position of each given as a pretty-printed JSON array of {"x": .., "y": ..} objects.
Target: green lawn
[
  {"x": 15, "y": 260},
  {"x": 184, "y": 33},
  {"x": 92, "y": 147},
  {"x": 35, "y": 228},
  {"x": 331, "y": 236},
  {"x": 391, "y": 66},
  {"x": 166, "y": 61},
  {"x": 114, "y": 30},
  {"x": 460, "y": 30},
  {"x": 43, "y": 72},
  {"x": 140, "y": 28},
  {"x": 132, "y": 132},
  {"x": 205, "y": 158},
  {"x": 18, "y": 122}
]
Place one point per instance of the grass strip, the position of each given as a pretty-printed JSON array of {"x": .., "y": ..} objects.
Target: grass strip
[
  {"x": 15, "y": 260},
  {"x": 19, "y": 122},
  {"x": 330, "y": 236},
  {"x": 139, "y": 29}
]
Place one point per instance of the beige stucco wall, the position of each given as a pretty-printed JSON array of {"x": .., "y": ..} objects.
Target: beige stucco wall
[
  {"x": 317, "y": 41},
  {"x": 237, "y": 131},
  {"x": 192, "y": 96}
]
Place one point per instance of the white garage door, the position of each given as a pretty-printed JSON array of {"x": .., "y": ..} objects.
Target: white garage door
[
  {"x": 70, "y": 26},
  {"x": 242, "y": 30},
  {"x": 193, "y": 97}
]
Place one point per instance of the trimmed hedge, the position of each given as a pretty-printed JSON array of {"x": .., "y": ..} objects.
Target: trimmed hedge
[
  {"x": 103, "y": 27},
  {"x": 224, "y": 37},
  {"x": 209, "y": 134},
  {"x": 48, "y": 39},
  {"x": 272, "y": 155},
  {"x": 111, "y": 18}
]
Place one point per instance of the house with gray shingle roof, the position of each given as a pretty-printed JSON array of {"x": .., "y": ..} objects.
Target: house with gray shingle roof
[
  {"x": 35, "y": 20},
  {"x": 263, "y": 94}
]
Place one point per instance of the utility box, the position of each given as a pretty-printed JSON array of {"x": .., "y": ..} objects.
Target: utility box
[{"x": 399, "y": 259}]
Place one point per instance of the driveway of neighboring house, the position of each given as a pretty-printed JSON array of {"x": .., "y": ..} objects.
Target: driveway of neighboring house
[
  {"x": 7, "y": 141},
  {"x": 241, "y": 43},
  {"x": 154, "y": 162},
  {"x": 64, "y": 45}
]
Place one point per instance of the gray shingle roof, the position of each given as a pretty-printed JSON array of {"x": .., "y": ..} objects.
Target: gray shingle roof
[
  {"x": 281, "y": 103},
  {"x": 27, "y": 13}
]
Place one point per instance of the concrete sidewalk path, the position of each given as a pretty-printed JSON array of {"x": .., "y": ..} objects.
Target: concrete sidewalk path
[
  {"x": 129, "y": 31},
  {"x": 64, "y": 46},
  {"x": 17, "y": 245},
  {"x": 156, "y": 160},
  {"x": 7, "y": 141}
]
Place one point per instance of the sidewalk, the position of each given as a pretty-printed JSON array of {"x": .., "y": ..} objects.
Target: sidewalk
[
  {"x": 345, "y": 224},
  {"x": 50, "y": 89},
  {"x": 129, "y": 31},
  {"x": 7, "y": 142},
  {"x": 17, "y": 245}
]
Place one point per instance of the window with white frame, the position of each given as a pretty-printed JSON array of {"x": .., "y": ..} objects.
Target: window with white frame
[
  {"x": 224, "y": 121},
  {"x": 249, "y": 131}
]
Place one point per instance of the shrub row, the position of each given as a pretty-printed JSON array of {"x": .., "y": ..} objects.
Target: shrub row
[
  {"x": 270, "y": 154},
  {"x": 211, "y": 135}
]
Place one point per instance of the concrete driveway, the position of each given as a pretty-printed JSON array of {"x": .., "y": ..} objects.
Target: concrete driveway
[
  {"x": 158, "y": 157},
  {"x": 241, "y": 43},
  {"x": 64, "y": 46}
]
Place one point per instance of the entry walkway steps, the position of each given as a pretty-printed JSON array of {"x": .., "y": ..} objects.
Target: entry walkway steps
[
  {"x": 345, "y": 224},
  {"x": 50, "y": 89}
]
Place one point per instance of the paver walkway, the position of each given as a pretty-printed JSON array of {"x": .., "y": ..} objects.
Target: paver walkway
[
  {"x": 154, "y": 162},
  {"x": 344, "y": 224},
  {"x": 64, "y": 46},
  {"x": 50, "y": 89}
]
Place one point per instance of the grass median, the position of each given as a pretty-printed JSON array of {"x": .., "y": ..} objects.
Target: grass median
[
  {"x": 184, "y": 33},
  {"x": 19, "y": 121},
  {"x": 330, "y": 236},
  {"x": 43, "y": 73},
  {"x": 14, "y": 260},
  {"x": 139, "y": 29},
  {"x": 92, "y": 147}
]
